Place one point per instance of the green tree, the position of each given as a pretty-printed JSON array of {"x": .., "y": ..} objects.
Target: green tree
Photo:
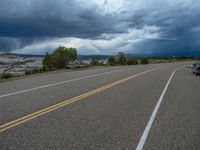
[
  {"x": 47, "y": 62},
  {"x": 111, "y": 60},
  {"x": 59, "y": 58},
  {"x": 122, "y": 58},
  {"x": 72, "y": 54}
]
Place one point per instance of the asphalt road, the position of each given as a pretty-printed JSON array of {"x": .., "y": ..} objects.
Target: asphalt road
[{"x": 145, "y": 107}]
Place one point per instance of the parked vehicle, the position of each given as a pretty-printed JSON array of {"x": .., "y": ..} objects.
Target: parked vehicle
[{"x": 196, "y": 68}]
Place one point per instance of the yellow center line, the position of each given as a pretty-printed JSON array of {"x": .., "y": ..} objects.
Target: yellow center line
[{"x": 41, "y": 112}]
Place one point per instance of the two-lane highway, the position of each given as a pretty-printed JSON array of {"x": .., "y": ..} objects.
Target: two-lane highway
[{"x": 102, "y": 108}]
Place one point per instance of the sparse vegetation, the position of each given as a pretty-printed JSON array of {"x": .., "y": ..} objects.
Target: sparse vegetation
[
  {"x": 144, "y": 61},
  {"x": 95, "y": 61},
  {"x": 63, "y": 58},
  {"x": 34, "y": 71},
  {"x": 132, "y": 61},
  {"x": 58, "y": 59},
  {"x": 121, "y": 59},
  {"x": 6, "y": 75}
]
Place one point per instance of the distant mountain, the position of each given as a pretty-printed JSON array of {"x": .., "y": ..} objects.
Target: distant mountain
[
  {"x": 182, "y": 54},
  {"x": 175, "y": 54},
  {"x": 93, "y": 56},
  {"x": 87, "y": 57}
]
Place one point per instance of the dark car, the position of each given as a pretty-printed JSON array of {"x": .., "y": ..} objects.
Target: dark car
[{"x": 196, "y": 68}]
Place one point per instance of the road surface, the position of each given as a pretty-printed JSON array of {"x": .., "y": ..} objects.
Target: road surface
[{"x": 146, "y": 107}]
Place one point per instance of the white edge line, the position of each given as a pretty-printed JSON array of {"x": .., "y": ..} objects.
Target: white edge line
[
  {"x": 58, "y": 83},
  {"x": 152, "y": 118}
]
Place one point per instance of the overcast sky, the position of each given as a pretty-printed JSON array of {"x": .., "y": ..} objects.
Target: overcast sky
[{"x": 100, "y": 26}]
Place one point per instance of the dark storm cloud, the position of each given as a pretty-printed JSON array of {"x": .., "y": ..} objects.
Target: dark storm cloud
[
  {"x": 36, "y": 18},
  {"x": 24, "y": 21},
  {"x": 7, "y": 44}
]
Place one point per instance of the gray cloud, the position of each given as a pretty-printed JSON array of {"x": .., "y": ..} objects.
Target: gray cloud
[
  {"x": 108, "y": 27},
  {"x": 36, "y": 18}
]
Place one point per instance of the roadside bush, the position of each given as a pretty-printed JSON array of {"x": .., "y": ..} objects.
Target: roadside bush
[
  {"x": 28, "y": 72},
  {"x": 144, "y": 61},
  {"x": 6, "y": 75},
  {"x": 95, "y": 61},
  {"x": 132, "y": 61},
  {"x": 36, "y": 70}
]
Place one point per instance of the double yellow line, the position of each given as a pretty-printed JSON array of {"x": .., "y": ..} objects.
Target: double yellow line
[{"x": 41, "y": 112}]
